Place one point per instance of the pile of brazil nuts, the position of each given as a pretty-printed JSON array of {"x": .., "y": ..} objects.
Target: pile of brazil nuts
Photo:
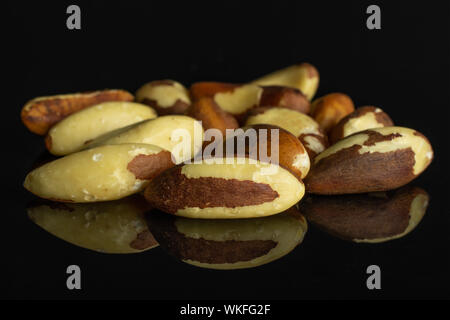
[{"x": 112, "y": 144}]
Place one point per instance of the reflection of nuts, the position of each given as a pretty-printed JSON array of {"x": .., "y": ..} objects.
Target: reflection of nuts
[
  {"x": 236, "y": 188},
  {"x": 108, "y": 227},
  {"x": 292, "y": 154},
  {"x": 361, "y": 119},
  {"x": 330, "y": 109},
  {"x": 230, "y": 244},
  {"x": 212, "y": 116},
  {"x": 165, "y": 96},
  {"x": 41, "y": 113},
  {"x": 372, "y": 160},
  {"x": 367, "y": 218},
  {"x": 167, "y": 132},
  {"x": 300, "y": 125},
  {"x": 303, "y": 77},
  {"x": 238, "y": 99},
  {"x": 73, "y": 132},
  {"x": 99, "y": 174}
]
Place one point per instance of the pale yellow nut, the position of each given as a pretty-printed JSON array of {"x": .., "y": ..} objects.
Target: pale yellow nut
[
  {"x": 240, "y": 99},
  {"x": 107, "y": 227},
  {"x": 99, "y": 174},
  {"x": 72, "y": 133},
  {"x": 304, "y": 77},
  {"x": 181, "y": 135}
]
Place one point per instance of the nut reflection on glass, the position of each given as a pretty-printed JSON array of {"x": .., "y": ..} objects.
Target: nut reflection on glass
[
  {"x": 228, "y": 244},
  {"x": 108, "y": 227},
  {"x": 371, "y": 218}
]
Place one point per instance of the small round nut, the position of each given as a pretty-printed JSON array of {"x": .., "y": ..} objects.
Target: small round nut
[{"x": 330, "y": 109}]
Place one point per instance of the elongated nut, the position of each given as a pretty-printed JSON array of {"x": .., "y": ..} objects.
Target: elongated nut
[
  {"x": 303, "y": 77},
  {"x": 211, "y": 115},
  {"x": 99, "y": 174},
  {"x": 39, "y": 114},
  {"x": 330, "y": 109},
  {"x": 290, "y": 152},
  {"x": 72, "y": 133},
  {"x": 373, "y": 160},
  {"x": 229, "y": 244},
  {"x": 361, "y": 119},
  {"x": 235, "y": 188},
  {"x": 368, "y": 218},
  {"x": 300, "y": 125},
  {"x": 107, "y": 227},
  {"x": 165, "y": 96},
  {"x": 238, "y": 99},
  {"x": 181, "y": 135}
]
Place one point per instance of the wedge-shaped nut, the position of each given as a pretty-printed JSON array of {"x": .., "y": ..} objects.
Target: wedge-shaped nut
[
  {"x": 39, "y": 114},
  {"x": 229, "y": 244},
  {"x": 303, "y": 77},
  {"x": 99, "y": 174},
  {"x": 108, "y": 227},
  {"x": 212, "y": 116},
  {"x": 330, "y": 109},
  {"x": 288, "y": 150},
  {"x": 72, "y": 133},
  {"x": 181, "y": 135},
  {"x": 361, "y": 119},
  {"x": 236, "y": 188},
  {"x": 373, "y": 160},
  {"x": 238, "y": 99},
  {"x": 369, "y": 218},
  {"x": 165, "y": 96},
  {"x": 300, "y": 125}
]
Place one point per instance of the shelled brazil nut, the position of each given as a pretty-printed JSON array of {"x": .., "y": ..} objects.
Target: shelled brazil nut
[{"x": 330, "y": 109}]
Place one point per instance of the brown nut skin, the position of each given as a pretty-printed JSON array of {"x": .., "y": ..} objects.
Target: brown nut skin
[
  {"x": 292, "y": 155},
  {"x": 301, "y": 125},
  {"x": 238, "y": 99},
  {"x": 165, "y": 96},
  {"x": 369, "y": 218},
  {"x": 361, "y": 119},
  {"x": 378, "y": 159},
  {"x": 302, "y": 76},
  {"x": 41, "y": 113},
  {"x": 330, "y": 109},
  {"x": 229, "y": 244}
]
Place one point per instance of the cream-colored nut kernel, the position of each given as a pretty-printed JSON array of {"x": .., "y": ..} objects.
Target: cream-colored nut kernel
[
  {"x": 372, "y": 160},
  {"x": 229, "y": 244},
  {"x": 305, "y": 128},
  {"x": 237, "y": 188},
  {"x": 166, "y": 96},
  {"x": 361, "y": 119},
  {"x": 369, "y": 218},
  {"x": 330, "y": 109},
  {"x": 107, "y": 227},
  {"x": 181, "y": 135},
  {"x": 303, "y": 77},
  {"x": 41, "y": 113},
  {"x": 72, "y": 133},
  {"x": 99, "y": 174},
  {"x": 240, "y": 99}
]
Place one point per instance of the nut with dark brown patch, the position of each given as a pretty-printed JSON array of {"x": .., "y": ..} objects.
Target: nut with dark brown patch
[
  {"x": 41, "y": 113},
  {"x": 300, "y": 125},
  {"x": 107, "y": 227},
  {"x": 99, "y": 174},
  {"x": 361, "y": 119},
  {"x": 165, "y": 96},
  {"x": 371, "y": 218},
  {"x": 330, "y": 109},
  {"x": 373, "y": 160},
  {"x": 238, "y": 99},
  {"x": 229, "y": 187},
  {"x": 303, "y": 77},
  {"x": 230, "y": 244}
]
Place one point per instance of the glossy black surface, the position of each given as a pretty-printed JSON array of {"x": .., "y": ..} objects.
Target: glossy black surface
[{"x": 403, "y": 68}]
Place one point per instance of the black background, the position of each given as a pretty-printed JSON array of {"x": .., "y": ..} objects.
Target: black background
[{"x": 403, "y": 68}]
